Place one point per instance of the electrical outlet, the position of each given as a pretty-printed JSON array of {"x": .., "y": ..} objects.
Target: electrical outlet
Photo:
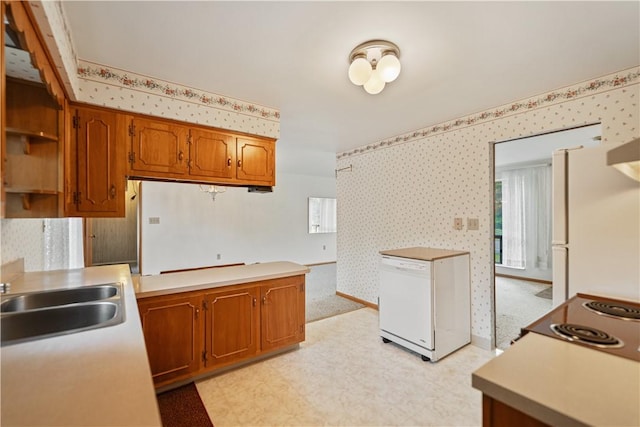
[
  {"x": 218, "y": 256},
  {"x": 324, "y": 247},
  {"x": 154, "y": 220},
  {"x": 473, "y": 224},
  {"x": 457, "y": 224}
]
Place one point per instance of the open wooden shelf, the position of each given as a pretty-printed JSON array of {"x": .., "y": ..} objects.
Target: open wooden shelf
[
  {"x": 24, "y": 190},
  {"x": 33, "y": 136}
]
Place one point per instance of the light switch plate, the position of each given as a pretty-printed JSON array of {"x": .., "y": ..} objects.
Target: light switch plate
[
  {"x": 473, "y": 224},
  {"x": 457, "y": 224},
  {"x": 154, "y": 220}
]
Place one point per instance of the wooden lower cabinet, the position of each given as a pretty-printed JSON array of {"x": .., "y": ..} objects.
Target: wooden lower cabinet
[
  {"x": 172, "y": 328},
  {"x": 232, "y": 325},
  {"x": 283, "y": 315},
  {"x": 498, "y": 414},
  {"x": 189, "y": 334}
]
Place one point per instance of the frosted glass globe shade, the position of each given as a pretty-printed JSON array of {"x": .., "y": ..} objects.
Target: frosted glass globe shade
[
  {"x": 359, "y": 71},
  {"x": 375, "y": 84},
  {"x": 389, "y": 68}
]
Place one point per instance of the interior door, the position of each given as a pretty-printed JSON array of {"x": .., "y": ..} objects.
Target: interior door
[{"x": 114, "y": 240}]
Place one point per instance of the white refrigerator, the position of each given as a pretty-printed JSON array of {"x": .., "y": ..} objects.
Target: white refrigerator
[{"x": 596, "y": 227}]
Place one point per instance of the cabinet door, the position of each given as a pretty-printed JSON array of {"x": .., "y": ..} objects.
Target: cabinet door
[
  {"x": 158, "y": 149},
  {"x": 172, "y": 328},
  {"x": 256, "y": 161},
  {"x": 231, "y": 325},
  {"x": 283, "y": 312},
  {"x": 211, "y": 155},
  {"x": 98, "y": 144}
]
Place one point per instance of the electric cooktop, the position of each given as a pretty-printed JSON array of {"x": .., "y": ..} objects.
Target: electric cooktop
[{"x": 603, "y": 324}]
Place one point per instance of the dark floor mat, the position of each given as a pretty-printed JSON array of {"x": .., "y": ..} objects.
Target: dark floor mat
[{"x": 182, "y": 407}]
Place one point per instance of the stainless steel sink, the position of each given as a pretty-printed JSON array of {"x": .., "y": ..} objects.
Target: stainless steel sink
[
  {"x": 28, "y": 325},
  {"x": 44, "y": 299},
  {"x": 39, "y": 315}
]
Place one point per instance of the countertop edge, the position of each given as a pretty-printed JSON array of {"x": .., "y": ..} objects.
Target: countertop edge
[
  {"x": 214, "y": 278},
  {"x": 58, "y": 380},
  {"x": 423, "y": 253},
  {"x": 544, "y": 377},
  {"x": 522, "y": 403}
]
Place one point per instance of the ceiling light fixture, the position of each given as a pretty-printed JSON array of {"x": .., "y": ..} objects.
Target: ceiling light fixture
[
  {"x": 213, "y": 190},
  {"x": 374, "y": 64}
]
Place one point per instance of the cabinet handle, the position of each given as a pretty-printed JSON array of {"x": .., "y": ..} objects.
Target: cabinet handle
[
  {"x": 264, "y": 300},
  {"x": 113, "y": 191},
  {"x": 229, "y": 161},
  {"x": 180, "y": 156},
  {"x": 239, "y": 163},
  {"x": 254, "y": 302},
  {"x": 197, "y": 312}
]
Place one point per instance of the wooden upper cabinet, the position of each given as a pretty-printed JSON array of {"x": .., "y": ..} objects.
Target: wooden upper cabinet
[
  {"x": 256, "y": 161},
  {"x": 164, "y": 150},
  {"x": 95, "y": 175},
  {"x": 211, "y": 154},
  {"x": 159, "y": 149}
]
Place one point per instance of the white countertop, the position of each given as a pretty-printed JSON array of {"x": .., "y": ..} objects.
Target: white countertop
[
  {"x": 99, "y": 377},
  {"x": 566, "y": 384},
  {"x": 423, "y": 254},
  {"x": 164, "y": 284}
]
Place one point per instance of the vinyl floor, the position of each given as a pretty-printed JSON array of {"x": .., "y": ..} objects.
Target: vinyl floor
[{"x": 344, "y": 375}]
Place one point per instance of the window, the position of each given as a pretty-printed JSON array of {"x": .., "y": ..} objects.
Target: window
[{"x": 322, "y": 215}]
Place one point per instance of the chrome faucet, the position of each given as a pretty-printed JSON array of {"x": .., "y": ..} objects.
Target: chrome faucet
[{"x": 4, "y": 287}]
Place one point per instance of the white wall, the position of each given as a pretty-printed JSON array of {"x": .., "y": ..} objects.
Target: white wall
[
  {"x": 406, "y": 190},
  {"x": 240, "y": 226}
]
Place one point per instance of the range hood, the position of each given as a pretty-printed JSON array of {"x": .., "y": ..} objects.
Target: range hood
[{"x": 626, "y": 158}]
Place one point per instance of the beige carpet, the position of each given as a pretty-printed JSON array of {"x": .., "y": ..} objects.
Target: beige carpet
[
  {"x": 517, "y": 305},
  {"x": 325, "y": 306},
  {"x": 321, "y": 298}
]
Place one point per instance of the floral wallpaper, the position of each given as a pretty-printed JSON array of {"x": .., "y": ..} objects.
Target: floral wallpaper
[
  {"x": 593, "y": 86},
  {"x": 23, "y": 238},
  {"x": 406, "y": 191},
  {"x": 111, "y": 87},
  {"x": 115, "y": 88}
]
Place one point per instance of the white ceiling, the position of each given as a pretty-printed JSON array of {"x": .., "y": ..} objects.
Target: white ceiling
[{"x": 457, "y": 58}]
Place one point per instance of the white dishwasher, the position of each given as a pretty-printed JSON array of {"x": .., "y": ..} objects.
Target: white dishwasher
[{"x": 424, "y": 301}]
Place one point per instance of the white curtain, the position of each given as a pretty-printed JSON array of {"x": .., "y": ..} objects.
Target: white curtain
[
  {"x": 63, "y": 244},
  {"x": 539, "y": 206},
  {"x": 513, "y": 219},
  {"x": 526, "y": 217}
]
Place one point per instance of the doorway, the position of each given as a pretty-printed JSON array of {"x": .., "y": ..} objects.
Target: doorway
[
  {"x": 115, "y": 240},
  {"x": 523, "y": 227}
]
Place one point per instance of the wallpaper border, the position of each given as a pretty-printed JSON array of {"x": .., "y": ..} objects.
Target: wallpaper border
[
  {"x": 110, "y": 75},
  {"x": 575, "y": 91}
]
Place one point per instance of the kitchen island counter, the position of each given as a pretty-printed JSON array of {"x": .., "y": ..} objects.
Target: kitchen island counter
[
  {"x": 208, "y": 278},
  {"x": 99, "y": 377},
  {"x": 561, "y": 383}
]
